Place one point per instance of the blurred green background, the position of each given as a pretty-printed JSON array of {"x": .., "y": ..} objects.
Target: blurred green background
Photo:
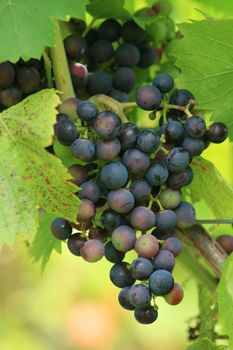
[{"x": 73, "y": 305}]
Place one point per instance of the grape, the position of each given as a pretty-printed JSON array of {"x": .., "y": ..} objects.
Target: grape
[
  {"x": 164, "y": 82},
  {"x": 163, "y": 8},
  {"x": 135, "y": 161},
  {"x": 122, "y": 200},
  {"x": 28, "y": 79},
  {"x": 195, "y": 127},
  {"x": 69, "y": 107},
  {"x": 217, "y": 132},
  {"x": 175, "y": 296},
  {"x": 147, "y": 246},
  {"x": 87, "y": 110},
  {"x": 86, "y": 210},
  {"x": 174, "y": 131},
  {"x": 174, "y": 245},
  {"x": 61, "y": 228},
  {"x": 148, "y": 140},
  {"x": 75, "y": 46},
  {"x": 166, "y": 220},
  {"x": 101, "y": 51},
  {"x": 124, "y": 79},
  {"x": 120, "y": 275},
  {"x": 91, "y": 36},
  {"x": 10, "y": 96},
  {"x": 157, "y": 174},
  {"x": 107, "y": 149},
  {"x": 79, "y": 75},
  {"x": 141, "y": 190},
  {"x": 193, "y": 146},
  {"x": 141, "y": 268},
  {"x": 114, "y": 175},
  {"x": 107, "y": 125},
  {"x": 7, "y": 74},
  {"x": 146, "y": 315},
  {"x": 62, "y": 117},
  {"x": 111, "y": 219},
  {"x": 123, "y": 238},
  {"x": 79, "y": 174},
  {"x": 147, "y": 57},
  {"x": 177, "y": 160},
  {"x": 164, "y": 260},
  {"x": 112, "y": 254},
  {"x": 161, "y": 235},
  {"x": 118, "y": 95},
  {"x": 169, "y": 198},
  {"x": 66, "y": 132},
  {"x": 139, "y": 296},
  {"x": 75, "y": 243},
  {"x": 132, "y": 33},
  {"x": 123, "y": 299},
  {"x": 226, "y": 242},
  {"x": 183, "y": 178},
  {"x": 99, "y": 83},
  {"x": 185, "y": 214},
  {"x": 128, "y": 135},
  {"x": 142, "y": 218},
  {"x": 109, "y": 30},
  {"x": 92, "y": 250},
  {"x": 161, "y": 282},
  {"x": 83, "y": 149},
  {"x": 148, "y": 97},
  {"x": 127, "y": 55},
  {"x": 89, "y": 190},
  {"x": 180, "y": 97}
]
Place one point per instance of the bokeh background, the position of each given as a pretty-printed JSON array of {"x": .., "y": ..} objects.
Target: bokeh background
[{"x": 73, "y": 304}]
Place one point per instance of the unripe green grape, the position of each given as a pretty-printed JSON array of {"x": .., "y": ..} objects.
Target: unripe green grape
[{"x": 169, "y": 198}]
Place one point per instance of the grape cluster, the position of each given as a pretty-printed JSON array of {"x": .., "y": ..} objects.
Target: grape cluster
[
  {"x": 19, "y": 80},
  {"x": 130, "y": 182}
]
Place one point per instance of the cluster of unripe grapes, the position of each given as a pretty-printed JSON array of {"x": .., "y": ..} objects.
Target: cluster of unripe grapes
[{"x": 130, "y": 182}]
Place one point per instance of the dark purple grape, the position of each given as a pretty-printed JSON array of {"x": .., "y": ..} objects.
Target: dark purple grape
[
  {"x": 164, "y": 82},
  {"x": 141, "y": 190},
  {"x": 164, "y": 260},
  {"x": 107, "y": 149},
  {"x": 87, "y": 110},
  {"x": 123, "y": 238},
  {"x": 91, "y": 36},
  {"x": 7, "y": 74},
  {"x": 61, "y": 228},
  {"x": 141, "y": 269},
  {"x": 180, "y": 97},
  {"x": 92, "y": 250},
  {"x": 195, "y": 127},
  {"x": 86, "y": 210},
  {"x": 161, "y": 235},
  {"x": 127, "y": 55},
  {"x": 147, "y": 246},
  {"x": 83, "y": 149},
  {"x": 142, "y": 218},
  {"x": 135, "y": 161},
  {"x": 75, "y": 46},
  {"x": 128, "y": 135},
  {"x": 123, "y": 299},
  {"x": 114, "y": 175},
  {"x": 89, "y": 190},
  {"x": 75, "y": 242},
  {"x": 148, "y": 56},
  {"x": 183, "y": 178},
  {"x": 186, "y": 215},
  {"x": 226, "y": 242},
  {"x": 174, "y": 246},
  {"x": 148, "y": 97},
  {"x": 175, "y": 296},
  {"x": 146, "y": 315},
  {"x": 169, "y": 198},
  {"x": 101, "y": 51},
  {"x": 118, "y": 95},
  {"x": 217, "y": 132},
  {"x": 66, "y": 132},
  {"x": 161, "y": 282},
  {"x": 157, "y": 174},
  {"x": 112, "y": 254},
  {"x": 79, "y": 75},
  {"x": 109, "y": 30},
  {"x": 193, "y": 146},
  {"x": 10, "y": 96},
  {"x": 110, "y": 219},
  {"x": 139, "y": 296},
  {"x": 166, "y": 220},
  {"x": 177, "y": 160},
  {"x": 148, "y": 140},
  {"x": 132, "y": 33},
  {"x": 99, "y": 82},
  {"x": 79, "y": 173},
  {"x": 120, "y": 275},
  {"x": 174, "y": 131},
  {"x": 122, "y": 200},
  {"x": 107, "y": 125},
  {"x": 28, "y": 79},
  {"x": 124, "y": 79}
]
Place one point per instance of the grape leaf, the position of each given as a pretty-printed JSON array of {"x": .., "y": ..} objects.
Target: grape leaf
[
  {"x": 222, "y": 6},
  {"x": 144, "y": 21},
  {"x": 108, "y": 9},
  {"x": 209, "y": 185},
  {"x": 30, "y": 177},
  {"x": 225, "y": 297},
  {"x": 32, "y": 25},
  {"x": 44, "y": 242},
  {"x": 206, "y": 344},
  {"x": 205, "y": 57}
]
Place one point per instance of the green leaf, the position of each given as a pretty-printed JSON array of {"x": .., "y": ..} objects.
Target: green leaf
[
  {"x": 221, "y": 6},
  {"x": 27, "y": 26},
  {"x": 205, "y": 344},
  {"x": 144, "y": 21},
  {"x": 30, "y": 177},
  {"x": 225, "y": 297},
  {"x": 44, "y": 242},
  {"x": 107, "y": 9},
  {"x": 205, "y": 57},
  {"x": 209, "y": 185}
]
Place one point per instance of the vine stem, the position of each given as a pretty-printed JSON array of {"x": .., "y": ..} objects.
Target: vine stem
[
  {"x": 60, "y": 67},
  {"x": 48, "y": 69}
]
